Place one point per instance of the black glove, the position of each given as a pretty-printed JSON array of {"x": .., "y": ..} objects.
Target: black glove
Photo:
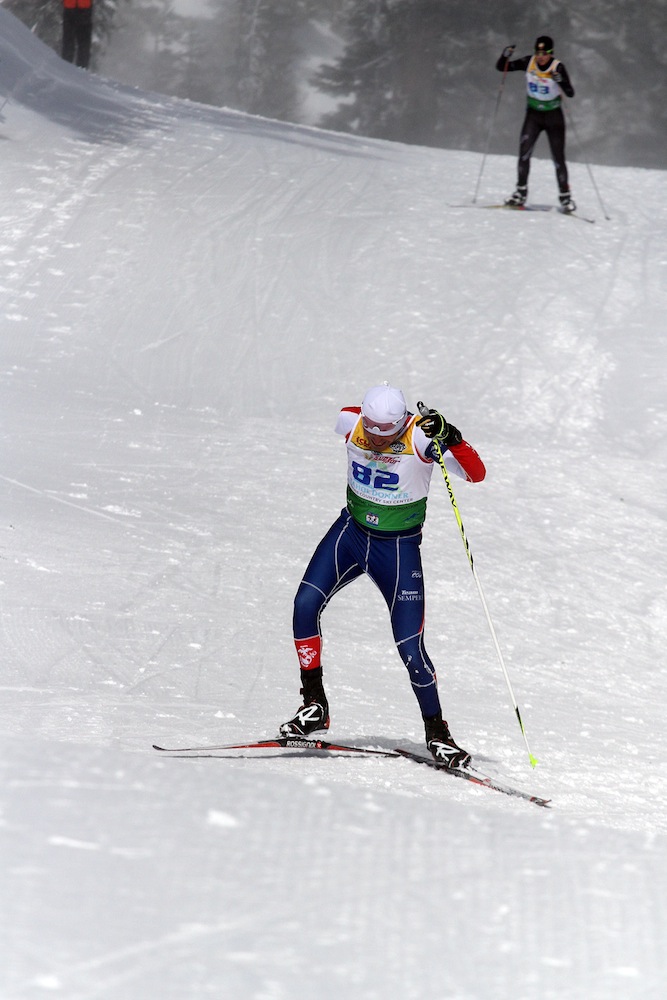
[
  {"x": 556, "y": 77},
  {"x": 507, "y": 51},
  {"x": 434, "y": 425}
]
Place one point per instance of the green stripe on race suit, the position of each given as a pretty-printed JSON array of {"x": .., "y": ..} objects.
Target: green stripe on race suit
[
  {"x": 544, "y": 105},
  {"x": 381, "y": 517}
]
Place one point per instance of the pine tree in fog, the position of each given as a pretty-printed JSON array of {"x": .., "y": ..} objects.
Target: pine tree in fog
[{"x": 395, "y": 78}]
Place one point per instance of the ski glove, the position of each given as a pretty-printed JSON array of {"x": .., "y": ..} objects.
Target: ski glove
[
  {"x": 507, "y": 51},
  {"x": 556, "y": 77},
  {"x": 434, "y": 425}
]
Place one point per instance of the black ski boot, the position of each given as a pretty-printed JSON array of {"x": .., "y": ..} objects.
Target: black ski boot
[
  {"x": 517, "y": 199},
  {"x": 439, "y": 741},
  {"x": 567, "y": 204},
  {"x": 312, "y": 717}
]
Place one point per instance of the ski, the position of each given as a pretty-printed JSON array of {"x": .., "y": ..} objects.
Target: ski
[
  {"x": 513, "y": 208},
  {"x": 282, "y": 742},
  {"x": 575, "y": 215},
  {"x": 296, "y": 743},
  {"x": 475, "y": 776},
  {"x": 522, "y": 208},
  {"x": 531, "y": 208}
]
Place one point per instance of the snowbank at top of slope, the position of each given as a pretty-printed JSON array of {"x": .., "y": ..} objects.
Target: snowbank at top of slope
[{"x": 33, "y": 76}]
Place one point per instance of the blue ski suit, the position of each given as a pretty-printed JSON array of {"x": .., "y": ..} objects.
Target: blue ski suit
[{"x": 390, "y": 556}]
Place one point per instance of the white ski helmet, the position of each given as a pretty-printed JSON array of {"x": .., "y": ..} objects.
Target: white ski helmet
[{"x": 384, "y": 410}]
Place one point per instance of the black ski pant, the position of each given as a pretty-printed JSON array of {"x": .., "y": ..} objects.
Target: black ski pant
[
  {"x": 553, "y": 123},
  {"x": 77, "y": 36}
]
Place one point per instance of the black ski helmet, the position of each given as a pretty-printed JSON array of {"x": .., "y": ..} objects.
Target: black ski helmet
[{"x": 544, "y": 44}]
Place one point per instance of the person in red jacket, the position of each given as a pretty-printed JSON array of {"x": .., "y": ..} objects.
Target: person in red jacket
[
  {"x": 390, "y": 458},
  {"x": 77, "y": 31}
]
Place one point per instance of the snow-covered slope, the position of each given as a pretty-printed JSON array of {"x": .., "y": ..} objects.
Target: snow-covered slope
[{"x": 188, "y": 296}]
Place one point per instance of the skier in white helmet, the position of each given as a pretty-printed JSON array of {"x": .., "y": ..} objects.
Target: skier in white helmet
[{"x": 390, "y": 459}]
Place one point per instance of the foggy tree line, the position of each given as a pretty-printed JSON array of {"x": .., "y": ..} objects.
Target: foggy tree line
[
  {"x": 419, "y": 71},
  {"x": 244, "y": 54},
  {"x": 393, "y": 78}
]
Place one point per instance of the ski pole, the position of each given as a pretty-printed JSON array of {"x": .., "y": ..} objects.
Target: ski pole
[
  {"x": 492, "y": 124},
  {"x": 587, "y": 164},
  {"x": 441, "y": 462}
]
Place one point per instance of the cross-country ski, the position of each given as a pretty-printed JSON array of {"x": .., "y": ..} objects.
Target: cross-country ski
[
  {"x": 530, "y": 208},
  {"x": 471, "y": 774},
  {"x": 279, "y": 742}
]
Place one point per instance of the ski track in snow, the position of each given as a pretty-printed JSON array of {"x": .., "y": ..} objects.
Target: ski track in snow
[{"x": 188, "y": 295}]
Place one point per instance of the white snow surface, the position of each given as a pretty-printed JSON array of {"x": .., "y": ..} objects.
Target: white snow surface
[{"x": 188, "y": 297}]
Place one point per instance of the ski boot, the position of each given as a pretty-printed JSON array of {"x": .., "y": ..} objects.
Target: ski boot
[
  {"x": 567, "y": 205},
  {"x": 518, "y": 199},
  {"x": 312, "y": 717},
  {"x": 441, "y": 744}
]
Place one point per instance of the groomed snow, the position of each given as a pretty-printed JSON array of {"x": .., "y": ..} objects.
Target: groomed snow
[{"x": 188, "y": 297}]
